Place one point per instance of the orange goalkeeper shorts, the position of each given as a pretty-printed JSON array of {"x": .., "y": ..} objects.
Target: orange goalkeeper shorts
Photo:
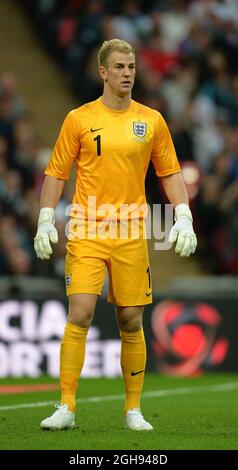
[{"x": 124, "y": 256}]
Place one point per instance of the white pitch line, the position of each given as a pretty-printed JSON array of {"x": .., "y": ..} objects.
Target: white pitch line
[{"x": 225, "y": 387}]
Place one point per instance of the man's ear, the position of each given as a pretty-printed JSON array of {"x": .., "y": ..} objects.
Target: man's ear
[{"x": 103, "y": 72}]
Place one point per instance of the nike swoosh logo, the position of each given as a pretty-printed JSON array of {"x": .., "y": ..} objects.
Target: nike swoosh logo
[
  {"x": 135, "y": 373},
  {"x": 148, "y": 294},
  {"x": 95, "y": 130}
]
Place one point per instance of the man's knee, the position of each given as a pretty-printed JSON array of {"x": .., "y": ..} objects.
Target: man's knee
[
  {"x": 81, "y": 309},
  {"x": 130, "y": 319},
  {"x": 131, "y": 325}
]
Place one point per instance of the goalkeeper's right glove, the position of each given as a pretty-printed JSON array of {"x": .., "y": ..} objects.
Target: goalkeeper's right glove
[{"x": 46, "y": 232}]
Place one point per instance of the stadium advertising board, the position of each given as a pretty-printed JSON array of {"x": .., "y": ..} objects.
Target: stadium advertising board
[{"x": 183, "y": 337}]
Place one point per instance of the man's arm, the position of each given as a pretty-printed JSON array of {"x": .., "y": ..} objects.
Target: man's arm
[
  {"x": 182, "y": 230},
  {"x": 51, "y": 192},
  {"x": 64, "y": 154},
  {"x": 175, "y": 189},
  {"x": 46, "y": 232}
]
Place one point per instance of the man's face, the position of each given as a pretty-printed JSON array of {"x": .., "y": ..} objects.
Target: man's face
[{"x": 120, "y": 72}]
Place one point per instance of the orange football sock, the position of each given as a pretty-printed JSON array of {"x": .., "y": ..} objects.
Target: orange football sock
[
  {"x": 72, "y": 354},
  {"x": 133, "y": 360}
]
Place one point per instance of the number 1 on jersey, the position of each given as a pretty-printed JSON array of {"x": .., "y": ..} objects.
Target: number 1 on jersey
[{"x": 98, "y": 139}]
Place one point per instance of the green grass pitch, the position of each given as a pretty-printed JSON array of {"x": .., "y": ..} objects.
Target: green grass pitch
[{"x": 187, "y": 413}]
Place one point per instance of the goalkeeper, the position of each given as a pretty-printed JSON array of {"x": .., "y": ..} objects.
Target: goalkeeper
[{"x": 112, "y": 141}]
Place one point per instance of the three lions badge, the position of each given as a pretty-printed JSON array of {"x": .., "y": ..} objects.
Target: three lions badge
[{"x": 140, "y": 129}]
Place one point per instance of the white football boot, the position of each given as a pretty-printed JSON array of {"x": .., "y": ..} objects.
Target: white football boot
[
  {"x": 135, "y": 421},
  {"x": 62, "y": 418}
]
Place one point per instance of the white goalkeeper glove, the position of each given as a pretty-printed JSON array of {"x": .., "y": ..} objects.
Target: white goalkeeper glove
[
  {"x": 46, "y": 232},
  {"x": 183, "y": 232}
]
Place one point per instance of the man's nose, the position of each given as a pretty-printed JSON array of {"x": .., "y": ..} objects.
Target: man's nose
[{"x": 127, "y": 72}]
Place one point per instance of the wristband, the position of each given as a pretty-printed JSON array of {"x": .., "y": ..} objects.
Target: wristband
[
  {"x": 182, "y": 210},
  {"x": 46, "y": 216}
]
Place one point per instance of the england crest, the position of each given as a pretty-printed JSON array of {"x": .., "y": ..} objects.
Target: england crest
[
  {"x": 68, "y": 279},
  {"x": 140, "y": 129}
]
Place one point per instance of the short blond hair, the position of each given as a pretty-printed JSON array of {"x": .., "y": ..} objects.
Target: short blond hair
[{"x": 113, "y": 45}]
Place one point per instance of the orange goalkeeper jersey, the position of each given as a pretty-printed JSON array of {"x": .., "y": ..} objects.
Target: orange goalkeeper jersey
[{"x": 112, "y": 150}]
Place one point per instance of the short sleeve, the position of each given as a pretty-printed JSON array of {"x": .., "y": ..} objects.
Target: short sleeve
[
  {"x": 163, "y": 153},
  {"x": 66, "y": 148}
]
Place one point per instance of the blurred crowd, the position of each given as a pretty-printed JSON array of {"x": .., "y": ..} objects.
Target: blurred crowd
[
  {"x": 23, "y": 156},
  {"x": 187, "y": 69}
]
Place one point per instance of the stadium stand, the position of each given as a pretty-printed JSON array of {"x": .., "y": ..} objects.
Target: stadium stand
[{"x": 187, "y": 69}]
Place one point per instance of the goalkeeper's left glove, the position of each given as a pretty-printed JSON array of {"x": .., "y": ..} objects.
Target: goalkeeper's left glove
[{"x": 183, "y": 232}]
